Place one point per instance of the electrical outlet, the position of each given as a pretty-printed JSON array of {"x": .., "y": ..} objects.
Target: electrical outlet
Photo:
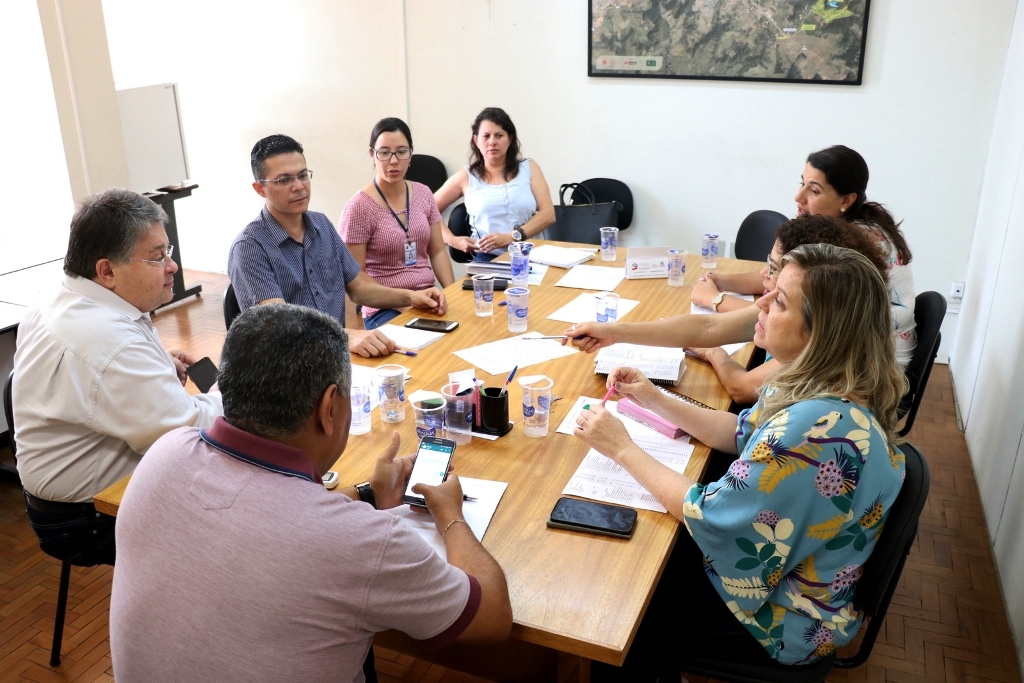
[{"x": 956, "y": 291}]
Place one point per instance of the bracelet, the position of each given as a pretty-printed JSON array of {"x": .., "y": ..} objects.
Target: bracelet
[{"x": 454, "y": 521}]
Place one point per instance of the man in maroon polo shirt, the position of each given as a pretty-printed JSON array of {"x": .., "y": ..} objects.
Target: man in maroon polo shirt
[{"x": 234, "y": 562}]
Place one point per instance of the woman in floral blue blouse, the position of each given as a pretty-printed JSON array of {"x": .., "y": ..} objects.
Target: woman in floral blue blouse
[{"x": 776, "y": 546}]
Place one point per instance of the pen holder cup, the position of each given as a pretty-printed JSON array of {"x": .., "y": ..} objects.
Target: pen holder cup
[{"x": 493, "y": 411}]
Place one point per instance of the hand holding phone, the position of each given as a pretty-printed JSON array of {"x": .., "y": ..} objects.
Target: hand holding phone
[
  {"x": 203, "y": 373},
  {"x": 433, "y": 459}
]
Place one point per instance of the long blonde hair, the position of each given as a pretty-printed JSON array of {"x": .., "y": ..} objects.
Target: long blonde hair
[{"x": 850, "y": 352}]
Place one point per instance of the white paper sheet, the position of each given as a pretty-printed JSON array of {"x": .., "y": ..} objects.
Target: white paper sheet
[
  {"x": 600, "y": 278},
  {"x": 537, "y": 272},
  {"x": 583, "y": 309},
  {"x": 501, "y": 356},
  {"x": 408, "y": 338},
  {"x": 562, "y": 257},
  {"x": 655, "y": 362},
  {"x": 700, "y": 310},
  {"x": 599, "y": 478},
  {"x": 477, "y": 513}
]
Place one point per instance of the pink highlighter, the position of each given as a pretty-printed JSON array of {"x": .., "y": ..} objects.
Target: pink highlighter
[{"x": 644, "y": 416}]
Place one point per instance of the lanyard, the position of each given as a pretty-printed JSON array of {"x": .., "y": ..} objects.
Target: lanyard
[{"x": 405, "y": 228}]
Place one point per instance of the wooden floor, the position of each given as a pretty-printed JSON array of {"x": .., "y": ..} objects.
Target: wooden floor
[{"x": 947, "y": 621}]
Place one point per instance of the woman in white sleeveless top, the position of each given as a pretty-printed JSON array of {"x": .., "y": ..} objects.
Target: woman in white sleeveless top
[{"x": 506, "y": 196}]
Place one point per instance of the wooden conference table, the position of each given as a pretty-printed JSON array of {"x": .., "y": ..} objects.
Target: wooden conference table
[{"x": 575, "y": 597}]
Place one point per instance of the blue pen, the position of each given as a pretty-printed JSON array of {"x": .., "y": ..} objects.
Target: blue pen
[
  {"x": 503, "y": 303},
  {"x": 509, "y": 380}
]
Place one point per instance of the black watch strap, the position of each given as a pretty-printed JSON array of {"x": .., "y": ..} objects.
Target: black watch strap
[{"x": 366, "y": 494}]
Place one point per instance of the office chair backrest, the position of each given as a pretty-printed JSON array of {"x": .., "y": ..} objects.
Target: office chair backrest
[
  {"x": 929, "y": 312},
  {"x": 9, "y": 411},
  {"x": 458, "y": 223},
  {"x": 608, "y": 190},
  {"x": 428, "y": 170},
  {"x": 756, "y": 235},
  {"x": 231, "y": 308},
  {"x": 883, "y": 569}
]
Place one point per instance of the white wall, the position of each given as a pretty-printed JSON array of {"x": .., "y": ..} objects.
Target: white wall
[
  {"x": 34, "y": 178},
  {"x": 699, "y": 155},
  {"x": 988, "y": 358},
  {"x": 323, "y": 72}
]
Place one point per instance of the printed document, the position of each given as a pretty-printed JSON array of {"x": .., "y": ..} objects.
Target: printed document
[{"x": 600, "y": 478}]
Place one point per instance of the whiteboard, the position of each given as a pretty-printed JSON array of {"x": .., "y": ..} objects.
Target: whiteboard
[{"x": 154, "y": 141}]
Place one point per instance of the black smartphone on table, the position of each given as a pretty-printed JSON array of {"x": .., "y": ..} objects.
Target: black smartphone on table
[
  {"x": 203, "y": 373},
  {"x": 499, "y": 284},
  {"x": 593, "y": 518},
  {"x": 433, "y": 458},
  {"x": 431, "y": 325}
]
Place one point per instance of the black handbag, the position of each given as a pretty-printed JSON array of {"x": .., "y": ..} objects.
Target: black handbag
[{"x": 582, "y": 222}]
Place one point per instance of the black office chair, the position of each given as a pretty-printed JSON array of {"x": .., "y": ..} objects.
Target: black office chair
[
  {"x": 608, "y": 190},
  {"x": 231, "y": 307},
  {"x": 428, "y": 170},
  {"x": 756, "y": 236},
  {"x": 458, "y": 223},
  {"x": 874, "y": 592},
  {"x": 929, "y": 311},
  {"x": 65, "y": 566},
  {"x": 7, "y": 471}
]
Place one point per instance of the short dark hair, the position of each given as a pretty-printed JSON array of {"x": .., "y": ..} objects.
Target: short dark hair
[
  {"x": 108, "y": 225},
  {"x": 514, "y": 154},
  {"x": 827, "y": 230},
  {"x": 271, "y": 146},
  {"x": 276, "y": 364},
  {"x": 390, "y": 125}
]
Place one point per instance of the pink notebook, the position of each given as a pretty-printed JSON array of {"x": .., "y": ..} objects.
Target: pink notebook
[{"x": 644, "y": 416}]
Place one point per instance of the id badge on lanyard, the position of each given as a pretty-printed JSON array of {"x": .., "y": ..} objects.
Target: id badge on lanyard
[{"x": 410, "y": 253}]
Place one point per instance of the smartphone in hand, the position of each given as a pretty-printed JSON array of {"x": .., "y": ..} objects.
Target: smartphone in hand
[
  {"x": 203, "y": 373},
  {"x": 433, "y": 459}
]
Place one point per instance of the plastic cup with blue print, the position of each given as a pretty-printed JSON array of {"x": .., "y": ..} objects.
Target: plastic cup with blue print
[
  {"x": 483, "y": 295},
  {"x": 428, "y": 408},
  {"x": 390, "y": 381},
  {"x": 676, "y": 267},
  {"x": 536, "y": 404},
  {"x": 458, "y": 412},
  {"x": 518, "y": 303},
  {"x": 600, "y": 311},
  {"x": 519, "y": 253},
  {"x": 360, "y": 396},
  {"x": 611, "y": 307},
  {"x": 709, "y": 250},
  {"x": 609, "y": 243}
]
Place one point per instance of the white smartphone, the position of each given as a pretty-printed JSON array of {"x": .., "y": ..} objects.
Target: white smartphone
[{"x": 433, "y": 458}]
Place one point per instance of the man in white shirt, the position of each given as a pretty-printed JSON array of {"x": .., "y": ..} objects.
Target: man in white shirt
[{"x": 93, "y": 386}]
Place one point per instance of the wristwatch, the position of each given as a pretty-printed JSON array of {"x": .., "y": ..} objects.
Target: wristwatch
[
  {"x": 518, "y": 235},
  {"x": 717, "y": 301},
  {"x": 366, "y": 494}
]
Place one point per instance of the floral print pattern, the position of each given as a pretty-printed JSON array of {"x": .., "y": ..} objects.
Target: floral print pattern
[{"x": 787, "y": 530}]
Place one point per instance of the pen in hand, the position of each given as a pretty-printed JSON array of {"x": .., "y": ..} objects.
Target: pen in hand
[
  {"x": 471, "y": 499},
  {"x": 405, "y": 352}
]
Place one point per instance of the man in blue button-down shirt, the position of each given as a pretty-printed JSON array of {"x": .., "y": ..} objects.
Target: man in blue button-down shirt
[{"x": 292, "y": 255}]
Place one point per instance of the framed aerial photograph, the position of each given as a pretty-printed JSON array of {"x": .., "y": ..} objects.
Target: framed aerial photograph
[{"x": 792, "y": 41}]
